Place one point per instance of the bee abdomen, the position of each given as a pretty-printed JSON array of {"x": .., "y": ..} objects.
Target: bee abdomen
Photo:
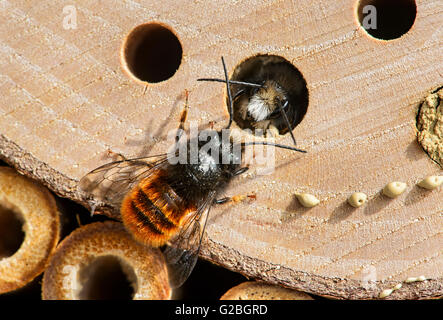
[{"x": 151, "y": 214}]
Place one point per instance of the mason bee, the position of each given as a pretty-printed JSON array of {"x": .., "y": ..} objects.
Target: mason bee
[
  {"x": 280, "y": 101},
  {"x": 165, "y": 204}
]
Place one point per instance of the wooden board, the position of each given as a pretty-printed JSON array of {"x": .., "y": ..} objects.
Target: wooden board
[{"x": 66, "y": 102}]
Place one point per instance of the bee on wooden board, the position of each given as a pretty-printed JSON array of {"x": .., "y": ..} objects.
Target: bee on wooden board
[{"x": 166, "y": 205}]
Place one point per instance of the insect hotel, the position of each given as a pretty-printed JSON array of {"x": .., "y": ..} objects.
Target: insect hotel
[{"x": 359, "y": 82}]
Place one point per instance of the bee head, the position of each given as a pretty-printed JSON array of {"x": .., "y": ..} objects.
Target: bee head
[{"x": 266, "y": 100}]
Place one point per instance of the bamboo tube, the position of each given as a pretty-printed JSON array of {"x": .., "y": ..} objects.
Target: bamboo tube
[
  {"x": 102, "y": 261},
  {"x": 29, "y": 229},
  {"x": 254, "y": 290}
]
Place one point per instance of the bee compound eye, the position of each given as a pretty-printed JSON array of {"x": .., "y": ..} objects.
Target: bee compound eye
[{"x": 254, "y": 91}]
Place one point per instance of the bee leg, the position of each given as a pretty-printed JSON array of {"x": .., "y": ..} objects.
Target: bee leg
[
  {"x": 235, "y": 199},
  {"x": 183, "y": 117},
  {"x": 222, "y": 200},
  {"x": 241, "y": 99},
  {"x": 272, "y": 131},
  {"x": 116, "y": 156},
  {"x": 241, "y": 170},
  {"x": 238, "y": 94},
  {"x": 261, "y": 127},
  {"x": 229, "y": 199}
]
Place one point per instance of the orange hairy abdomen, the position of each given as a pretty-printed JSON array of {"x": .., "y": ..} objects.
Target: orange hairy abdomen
[{"x": 153, "y": 212}]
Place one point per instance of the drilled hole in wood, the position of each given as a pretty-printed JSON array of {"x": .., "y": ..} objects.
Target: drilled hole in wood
[
  {"x": 106, "y": 278},
  {"x": 259, "y": 108},
  {"x": 386, "y": 19},
  {"x": 151, "y": 53},
  {"x": 11, "y": 231}
]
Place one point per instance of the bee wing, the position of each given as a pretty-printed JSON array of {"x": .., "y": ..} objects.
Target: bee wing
[
  {"x": 110, "y": 182},
  {"x": 182, "y": 251}
]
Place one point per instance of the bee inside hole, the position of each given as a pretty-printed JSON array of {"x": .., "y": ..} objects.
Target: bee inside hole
[
  {"x": 107, "y": 278},
  {"x": 278, "y": 104},
  {"x": 11, "y": 231}
]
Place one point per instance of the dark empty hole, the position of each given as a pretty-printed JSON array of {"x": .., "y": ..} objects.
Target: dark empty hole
[
  {"x": 105, "y": 278},
  {"x": 11, "y": 232},
  {"x": 259, "y": 108},
  {"x": 152, "y": 52},
  {"x": 393, "y": 18}
]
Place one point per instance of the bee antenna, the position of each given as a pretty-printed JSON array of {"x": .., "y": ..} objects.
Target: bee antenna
[
  {"x": 241, "y": 83},
  {"x": 244, "y": 144},
  {"x": 228, "y": 88},
  {"x": 285, "y": 117}
]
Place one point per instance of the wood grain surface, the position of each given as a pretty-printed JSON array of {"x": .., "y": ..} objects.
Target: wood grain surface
[{"x": 66, "y": 102}]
